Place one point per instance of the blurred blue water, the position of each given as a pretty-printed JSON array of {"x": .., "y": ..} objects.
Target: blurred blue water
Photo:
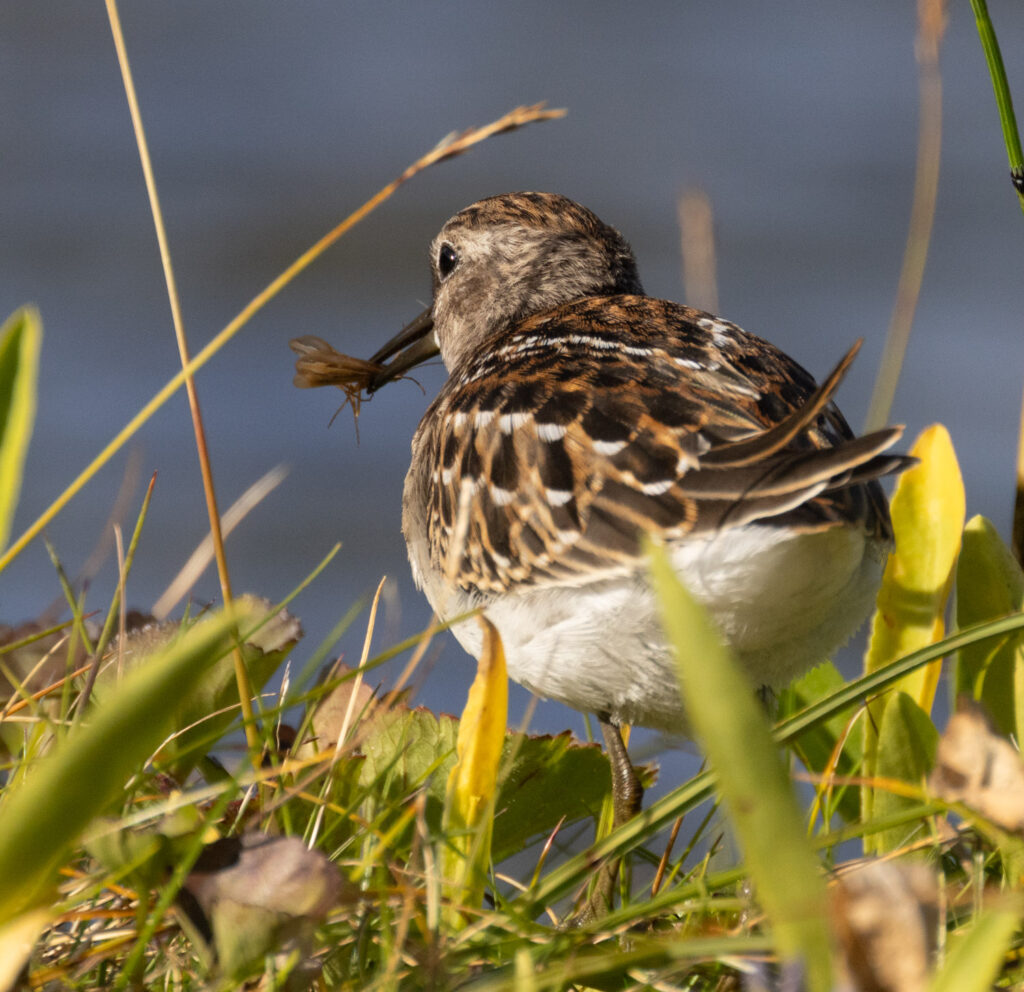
[{"x": 268, "y": 122}]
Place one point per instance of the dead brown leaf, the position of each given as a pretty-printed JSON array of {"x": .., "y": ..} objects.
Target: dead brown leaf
[
  {"x": 886, "y": 918},
  {"x": 339, "y": 713},
  {"x": 254, "y": 895},
  {"x": 977, "y": 766}
]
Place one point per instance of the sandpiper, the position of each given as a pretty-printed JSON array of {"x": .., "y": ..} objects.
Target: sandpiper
[{"x": 580, "y": 413}]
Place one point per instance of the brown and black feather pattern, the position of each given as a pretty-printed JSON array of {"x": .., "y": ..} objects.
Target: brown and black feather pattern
[{"x": 556, "y": 445}]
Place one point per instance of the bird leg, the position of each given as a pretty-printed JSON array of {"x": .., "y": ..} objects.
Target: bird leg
[
  {"x": 627, "y": 798},
  {"x": 627, "y": 792}
]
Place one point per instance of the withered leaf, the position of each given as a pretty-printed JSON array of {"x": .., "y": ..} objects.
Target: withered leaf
[
  {"x": 885, "y": 916},
  {"x": 254, "y": 895},
  {"x": 977, "y": 766}
]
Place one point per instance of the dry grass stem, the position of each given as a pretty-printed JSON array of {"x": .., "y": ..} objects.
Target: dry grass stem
[
  {"x": 350, "y": 710},
  {"x": 320, "y": 364},
  {"x": 659, "y": 875},
  {"x": 697, "y": 237},
  {"x": 181, "y": 339},
  {"x": 931, "y": 25},
  {"x": 447, "y": 149},
  {"x": 203, "y": 554},
  {"x": 1018, "y": 502},
  {"x": 199, "y": 430}
]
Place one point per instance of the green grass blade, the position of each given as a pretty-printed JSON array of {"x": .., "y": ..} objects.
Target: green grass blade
[
  {"x": 815, "y": 747},
  {"x": 731, "y": 728},
  {"x": 907, "y": 740},
  {"x": 681, "y": 800},
  {"x": 20, "y": 338},
  {"x": 1004, "y": 101},
  {"x": 854, "y": 693},
  {"x": 990, "y": 583},
  {"x": 41, "y": 818},
  {"x": 976, "y": 958}
]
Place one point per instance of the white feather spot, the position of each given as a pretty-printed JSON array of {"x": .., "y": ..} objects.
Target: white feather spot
[
  {"x": 520, "y": 345},
  {"x": 657, "y": 488},
  {"x": 601, "y": 343},
  {"x": 459, "y": 420},
  {"x": 721, "y": 332},
  {"x": 558, "y": 497},
  {"x": 501, "y": 497},
  {"x": 609, "y": 448},
  {"x": 509, "y": 422},
  {"x": 684, "y": 463},
  {"x": 446, "y": 477},
  {"x": 483, "y": 418},
  {"x": 550, "y": 432}
]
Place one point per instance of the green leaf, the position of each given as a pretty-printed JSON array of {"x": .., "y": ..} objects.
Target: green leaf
[
  {"x": 86, "y": 773},
  {"x": 990, "y": 584},
  {"x": 143, "y": 857},
  {"x": 406, "y": 748},
  {"x": 20, "y": 338},
  {"x": 814, "y": 747},
  {"x": 546, "y": 780},
  {"x": 976, "y": 958},
  {"x": 907, "y": 741},
  {"x": 205, "y": 711},
  {"x": 731, "y": 728}
]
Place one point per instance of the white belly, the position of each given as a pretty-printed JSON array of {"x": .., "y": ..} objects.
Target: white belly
[{"x": 783, "y": 602}]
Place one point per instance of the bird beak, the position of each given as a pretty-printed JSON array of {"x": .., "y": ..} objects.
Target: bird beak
[{"x": 413, "y": 344}]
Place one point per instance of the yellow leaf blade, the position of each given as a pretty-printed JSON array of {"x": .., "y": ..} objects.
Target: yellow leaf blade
[
  {"x": 473, "y": 781},
  {"x": 17, "y": 939},
  {"x": 20, "y": 339},
  {"x": 928, "y": 510}
]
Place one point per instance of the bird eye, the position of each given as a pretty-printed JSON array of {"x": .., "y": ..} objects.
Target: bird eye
[{"x": 447, "y": 259}]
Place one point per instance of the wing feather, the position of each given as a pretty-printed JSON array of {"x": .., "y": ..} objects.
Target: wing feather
[{"x": 594, "y": 423}]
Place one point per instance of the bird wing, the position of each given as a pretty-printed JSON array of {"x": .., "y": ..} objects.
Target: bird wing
[{"x": 549, "y": 454}]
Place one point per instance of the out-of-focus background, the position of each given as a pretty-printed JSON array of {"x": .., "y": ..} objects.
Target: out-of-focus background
[{"x": 269, "y": 122}]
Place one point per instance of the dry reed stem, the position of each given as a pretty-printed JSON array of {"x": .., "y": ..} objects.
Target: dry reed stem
[
  {"x": 448, "y": 148},
  {"x": 1017, "y": 537},
  {"x": 203, "y": 554},
  {"x": 697, "y": 245},
  {"x": 320, "y": 364},
  {"x": 931, "y": 25}
]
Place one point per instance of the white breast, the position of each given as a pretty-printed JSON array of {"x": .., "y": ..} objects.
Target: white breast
[{"x": 782, "y": 600}]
